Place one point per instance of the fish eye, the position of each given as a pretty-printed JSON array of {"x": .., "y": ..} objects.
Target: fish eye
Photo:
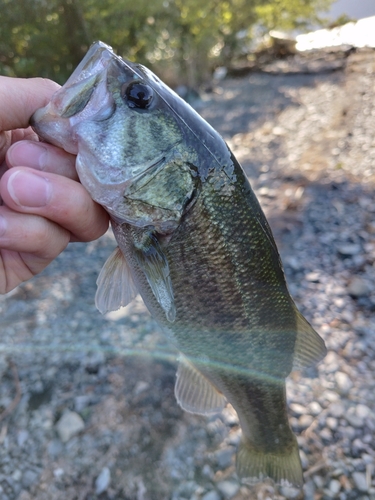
[{"x": 137, "y": 95}]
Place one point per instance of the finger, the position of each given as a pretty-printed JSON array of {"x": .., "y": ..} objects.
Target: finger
[
  {"x": 43, "y": 157},
  {"x": 57, "y": 198},
  {"x": 21, "y": 134},
  {"x": 32, "y": 234},
  {"x": 5, "y": 142},
  {"x": 20, "y": 98}
]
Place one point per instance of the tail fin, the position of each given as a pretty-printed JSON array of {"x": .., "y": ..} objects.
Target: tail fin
[{"x": 284, "y": 467}]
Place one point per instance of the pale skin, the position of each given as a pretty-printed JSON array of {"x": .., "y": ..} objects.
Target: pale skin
[{"x": 43, "y": 205}]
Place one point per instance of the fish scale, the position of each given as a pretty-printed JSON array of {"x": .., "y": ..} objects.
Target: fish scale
[{"x": 194, "y": 242}]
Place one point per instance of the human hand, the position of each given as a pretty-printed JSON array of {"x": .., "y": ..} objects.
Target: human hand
[{"x": 44, "y": 206}]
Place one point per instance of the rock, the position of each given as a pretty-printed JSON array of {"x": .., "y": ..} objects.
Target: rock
[
  {"x": 228, "y": 488},
  {"x": 336, "y": 409},
  {"x": 140, "y": 387},
  {"x": 360, "y": 481},
  {"x": 211, "y": 495},
  {"x": 22, "y": 437},
  {"x": 326, "y": 435},
  {"x": 353, "y": 419},
  {"x": 290, "y": 492},
  {"x": 362, "y": 411},
  {"x": 69, "y": 425},
  {"x": 298, "y": 409},
  {"x": 334, "y": 486},
  {"x": 17, "y": 474},
  {"x": 332, "y": 423},
  {"x": 81, "y": 402},
  {"x": 357, "y": 446},
  {"x": 358, "y": 287},
  {"x": 102, "y": 481},
  {"x": 58, "y": 473},
  {"x": 309, "y": 490},
  {"x": 349, "y": 249},
  {"x": 54, "y": 448},
  {"x": 3, "y": 365},
  {"x": 344, "y": 384},
  {"x": 315, "y": 408},
  {"x": 313, "y": 277},
  {"x": 305, "y": 421},
  {"x": 224, "y": 457},
  {"x": 29, "y": 477},
  {"x": 207, "y": 471}
]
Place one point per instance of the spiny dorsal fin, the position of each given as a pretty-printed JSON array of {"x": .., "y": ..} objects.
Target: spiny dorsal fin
[
  {"x": 194, "y": 392},
  {"x": 309, "y": 347},
  {"x": 115, "y": 285}
]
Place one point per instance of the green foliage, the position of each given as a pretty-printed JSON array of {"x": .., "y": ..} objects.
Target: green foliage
[{"x": 183, "y": 40}]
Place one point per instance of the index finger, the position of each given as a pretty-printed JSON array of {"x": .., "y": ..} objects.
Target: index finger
[{"x": 20, "y": 98}]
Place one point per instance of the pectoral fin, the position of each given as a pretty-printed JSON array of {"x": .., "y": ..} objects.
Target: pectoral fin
[
  {"x": 194, "y": 392},
  {"x": 154, "y": 264},
  {"x": 115, "y": 285},
  {"x": 309, "y": 347}
]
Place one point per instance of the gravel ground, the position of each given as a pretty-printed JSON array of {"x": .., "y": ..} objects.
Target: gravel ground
[{"x": 87, "y": 403}]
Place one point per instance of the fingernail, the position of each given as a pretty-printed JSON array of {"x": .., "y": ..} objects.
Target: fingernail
[
  {"x": 3, "y": 225},
  {"x": 28, "y": 154},
  {"x": 28, "y": 189}
]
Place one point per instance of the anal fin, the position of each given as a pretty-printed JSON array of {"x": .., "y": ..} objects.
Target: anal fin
[{"x": 194, "y": 392}]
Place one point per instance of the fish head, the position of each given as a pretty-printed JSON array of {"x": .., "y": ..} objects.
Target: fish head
[{"x": 133, "y": 149}]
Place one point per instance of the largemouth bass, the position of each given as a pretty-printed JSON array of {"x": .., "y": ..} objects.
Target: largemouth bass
[{"x": 194, "y": 242}]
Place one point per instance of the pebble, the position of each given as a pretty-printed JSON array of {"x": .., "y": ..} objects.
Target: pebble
[
  {"x": 332, "y": 423},
  {"x": 336, "y": 409},
  {"x": 315, "y": 409},
  {"x": 102, "y": 481},
  {"x": 344, "y": 384},
  {"x": 69, "y": 425},
  {"x": 334, "y": 486},
  {"x": 298, "y": 409},
  {"x": 228, "y": 488},
  {"x": 360, "y": 481},
  {"x": 54, "y": 448},
  {"x": 22, "y": 437},
  {"x": 29, "y": 477},
  {"x": 290, "y": 492},
  {"x": 225, "y": 456},
  {"x": 358, "y": 287},
  {"x": 309, "y": 490},
  {"x": 362, "y": 411},
  {"x": 353, "y": 419},
  {"x": 349, "y": 250},
  {"x": 305, "y": 421},
  {"x": 211, "y": 495}
]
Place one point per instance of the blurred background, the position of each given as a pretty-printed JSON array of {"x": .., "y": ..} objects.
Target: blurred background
[{"x": 182, "y": 40}]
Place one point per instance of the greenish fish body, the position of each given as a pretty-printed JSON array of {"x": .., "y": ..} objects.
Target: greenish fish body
[{"x": 194, "y": 242}]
